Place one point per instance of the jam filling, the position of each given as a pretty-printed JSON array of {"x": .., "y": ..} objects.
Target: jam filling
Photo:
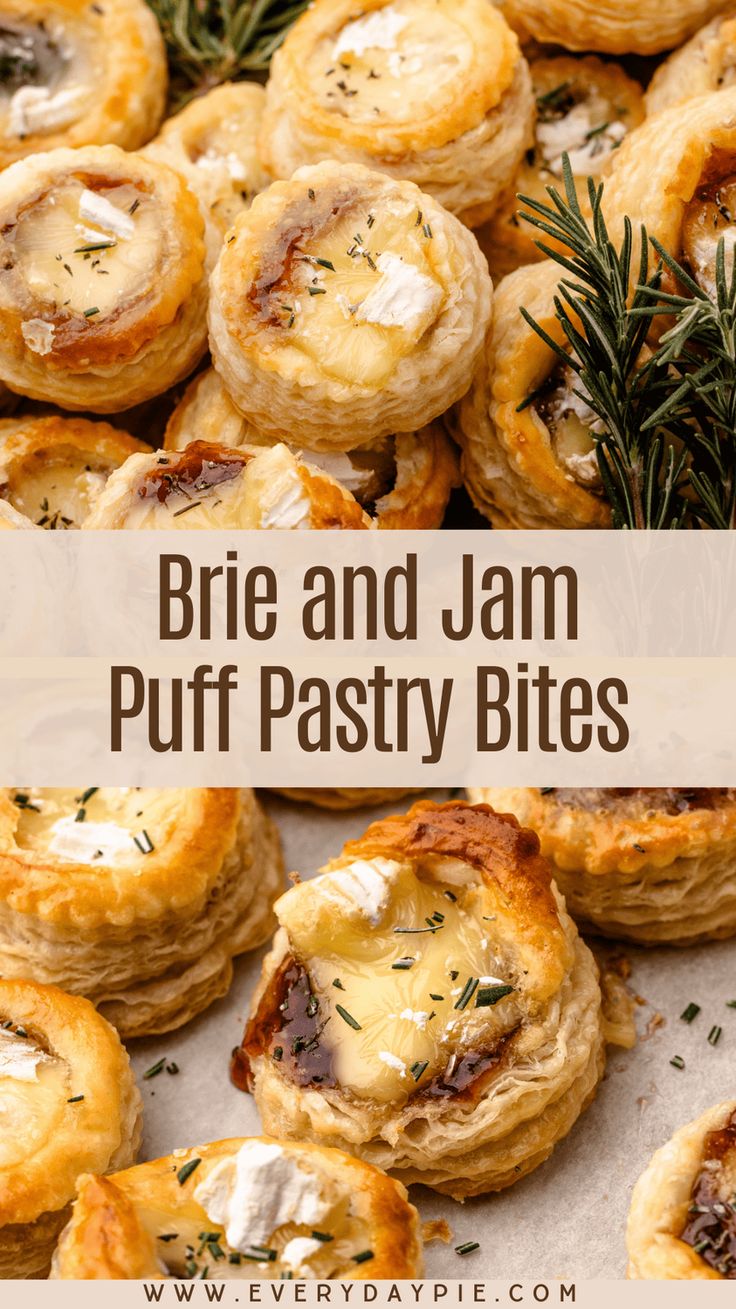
[
  {"x": 200, "y": 468},
  {"x": 663, "y": 800},
  {"x": 711, "y": 1226}
]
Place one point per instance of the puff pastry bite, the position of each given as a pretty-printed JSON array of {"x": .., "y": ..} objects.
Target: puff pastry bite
[
  {"x": 344, "y": 797},
  {"x": 529, "y": 458},
  {"x": 53, "y": 469},
  {"x": 681, "y": 1223},
  {"x": 428, "y": 1004},
  {"x": 435, "y": 91},
  {"x": 140, "y": 903},
  {"x": 402, "y": 481},
  {"x": 652, "y": 866},
  {"x": 79, "y": 74},
  {"x": 616, "y": 27},
  {"x": 102, "y": 287},
  {"x": 707, "y": 62},
  {"x": 68, "y": 1103},
  {"x": 347, "y": 307}
]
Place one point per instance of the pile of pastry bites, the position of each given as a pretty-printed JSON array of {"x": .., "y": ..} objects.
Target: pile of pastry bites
[{"x": 291, "y": 288}]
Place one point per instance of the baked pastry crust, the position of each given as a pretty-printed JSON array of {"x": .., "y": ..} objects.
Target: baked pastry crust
[
  {"x": 117, "y": 1221},
  {"x": 522, "y": 467},
  {"x": 70, "y": 1103},
  {"x": 10, "y": 518},
  {"x": 79, "y": 75},
  {"x": 614, "y": 27},
  {"x": 487, "y": 1096},
  {"x": 651, "y": 866},
  {"x": 102, "y": 287},
  {"x": 661, "y": 1212},
  {"x": 707, "y": 62},
  {"x": 347, "y": 341},
  {"x": 344, "y": 797},
  {"x": 159, "y": 950},
  {"x": 53, "y": 469},
  {"x": 434, "y": 91}
]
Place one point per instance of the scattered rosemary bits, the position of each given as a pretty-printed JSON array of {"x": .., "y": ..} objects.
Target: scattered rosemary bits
[
  {"x": 677, "y": 1061},
  {"x": 467, "y": 1247},
  {"x": 690, "y": 1013},
  {"x": 186, "y": 1171}
]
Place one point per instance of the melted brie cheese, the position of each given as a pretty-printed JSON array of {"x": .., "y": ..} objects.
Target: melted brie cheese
[
  {"x": 586, "y": 134},
  {"x": 49, "y": 823},
  {"x": 57, "y": 494},
  {"x": 257, "y": 1191},
  {"x": 34, "y": 1088}
]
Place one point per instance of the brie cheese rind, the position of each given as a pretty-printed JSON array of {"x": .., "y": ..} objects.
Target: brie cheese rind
[
  {"x": 79, "y": 74},
  {"x": 653, "y": 866},
  {"x": 251, "y": 1208},
  {"x": 344, "y": 797},
  {"x": 140, "y": 903},
  {"x": 529, "y": 465},
  {"x": 52, "y": 470},
  {"x": 433, "y": 91},
  {"x": 707, "y": 62},
  {"x": 347, "y": 307},
  {"x": 615, "y": 27},
  {"x": 213, "y": 143},
  {"x": 403, "y": 481},
  {"x": 214, "y": 486},
  {"x": 68, "y": 1102},
  {"x": 428, "y": 1004},
  {"x": 102, "y": 284},
  {"x": 681, "y": 1221}
]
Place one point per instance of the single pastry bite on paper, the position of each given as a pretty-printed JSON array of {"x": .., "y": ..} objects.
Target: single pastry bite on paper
[
  {"x": 102, "y": 285},
  {"x": 245, "y": 1208},
  {"x": 428, "y": 1004},
  {"x": 681, "y": 1224},
  {"x": 527, "y": 436},
  {"x": 616, "y": 27},
  {"x": 434, "y": 91},
  {"x": 344, "y": 797},
  {"x": 136, "y": 898},
  {"x": 79, "y": 74},
  {"x": 69, "y": 1104},
  {"x": 707, "y": 62},
  {"x": 53, "y": 469},
  {"x": 655, "y": 866},
  {"x": 347, "y": 306},
  {"x": 402, "y": 481}
]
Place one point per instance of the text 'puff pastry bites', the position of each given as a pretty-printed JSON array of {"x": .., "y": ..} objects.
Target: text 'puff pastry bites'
[
  {"x": 615, "y": 27},
  {"x": 402, "y": 481},
  {"x": 428, "y": 1004},
  {"x": 140, "y": 903},
  {"x": 53, "y": 469},
  {"x": 529, "y": 458},
  {"x": 76, "y": 73},
  {"x": 707, "y": 62},
  {"x": 268, "y": 1209},
  {"x": 68, "y": 1104},
  {"x": 653, "y": 866},
  {"x": 682, "y": 1224},
  {"x": 102, "y": 286},
  {"x": 347, "y": 307},
  {"x": 435, "y": 91}
]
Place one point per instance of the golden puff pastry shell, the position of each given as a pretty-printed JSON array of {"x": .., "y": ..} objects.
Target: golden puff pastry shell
[
  {"x": 509, "y": 988},
  {"x": 346, "y": 306},
  {"x": 79, "y": 74},
  {"x": 615, "y": 27},
  {"x": 70, "y": 1103},
  {"x": 102, "y": 287},
  {"x": 707, "y": 62},
  {"x": 10, "y": 518}
]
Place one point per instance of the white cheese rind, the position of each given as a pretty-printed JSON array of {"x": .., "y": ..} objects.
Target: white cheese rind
[
  {"x": 34, "y": 109},
  {"x": 375, "y": 31},
  {"x": 98, "y": 209},
  {"x": 258, "y": 1190},
  {"x": 402, "y": 297},
  {"x": 363, "y": 887},
  {"x": 80, "y": 842},
  {"x": 20, "y": 1059},
  {"x": 292, "y": 508}
]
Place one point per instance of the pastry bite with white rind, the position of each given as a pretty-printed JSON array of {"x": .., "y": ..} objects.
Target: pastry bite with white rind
[
  {"x": 79, "y": 74},
  {"x": 142, "y": 902},
  {"x": 102, "y": 285},
  {"x": 614, "y": 27},
  {"x": 69, "y": 1103},
  {"x": 245, "y": 1208},
  {"x": 402, "y": 481},
  {"x": 653, "y": 866},
  {"x": 434, "y": 91},
  {"x": 706, "y": 63},
  {"x": 347, "y": 307},
  {"x": 53, "y": 469},
  {"x": 681, "y": 1222},
  {"x": 428, "y": 1004},
  {"x": 344, "y": 797}
]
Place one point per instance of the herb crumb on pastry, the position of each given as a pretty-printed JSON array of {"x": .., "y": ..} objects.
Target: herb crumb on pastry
[
  {"x": 707, "y": 62},
  {"x": 142, "y": 902},
  {"x": 69, "y": 1104},
  {"x": 347, "y": 307},
  {"x": 428, "y": 1004},
  {"x": 615, "y": 27}
]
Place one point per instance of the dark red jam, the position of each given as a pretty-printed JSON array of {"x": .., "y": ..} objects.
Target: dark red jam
[
  {"x": 711, "y": 1226},
  {"x": 198, "y": 469}
]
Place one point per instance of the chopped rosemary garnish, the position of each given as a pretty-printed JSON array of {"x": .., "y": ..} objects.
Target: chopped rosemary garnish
[
  {"x": 348, "y": 1018},
  {"x": 172, "y": 1069},
  {"x": 363, "y": 1257},
  {"x": 338, "y": 984},
  {"x": 714, "y": 1034},
  {"x": 167, "y": 1236},
  {"x": 87, "y": 795},
  {"x": 677, "y": 1061},
  {"x": 234, "y": 1257},
  {"x": 80, "y": 815},
  {"x": 468, "y": 991},
  {"x": 418, "y": 1068},
  {"x": 325, "y": 263},
  {"x": 90, "y": 313},
  {"x": 415, "y": 931},
  {"x": 316, "y": 290},
  {"x": 402, "y": 965},
  {"x": 321, "y": 1236},
  {"x": 278, "y": 1053},
  {"x": 98, "y": 245},
  {"x": 490, "y": 995},
  {"x": 144, "y": 842},
  {"x": 155, "y": 1069},
  {"x": 450, "y": 895},
  {"x": 434, "y": 996},
  {"x": 186, "y": 1170},
  {"x": 467, "y": 1247},
  {"x": 640, "y": 848},
  {"x": 690, "y": 1012},
  {"x": 731, "y": 1004},
  {"x": 74, "y": 1099}
]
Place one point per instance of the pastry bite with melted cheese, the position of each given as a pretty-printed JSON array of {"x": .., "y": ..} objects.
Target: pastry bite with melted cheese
[
  {"x": 344, "y": 797},
  {"x": 69, "y": 1104},
  {"x": 52, "y": 470},
  {"x": 435, "y": 91},
  {"x": 77, "y": 73},
  {"x": 347, "y": 307},
  {"x": 10, "y": 518},
  {"x": 682, "y": 1224},
  {"x": 428, "y": 1004},
  {"x": 136, "y": 898},
  {"x": 102, "y": 286},
  {"x": 529, "y": 453},
  {"x": 615, "y": 27},
  {"x": 655, "y": 866},
  {"x": 707, "y": 62},
  {"x": 402, "y": 481},
  {"x": 246, "y": 1208}
]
